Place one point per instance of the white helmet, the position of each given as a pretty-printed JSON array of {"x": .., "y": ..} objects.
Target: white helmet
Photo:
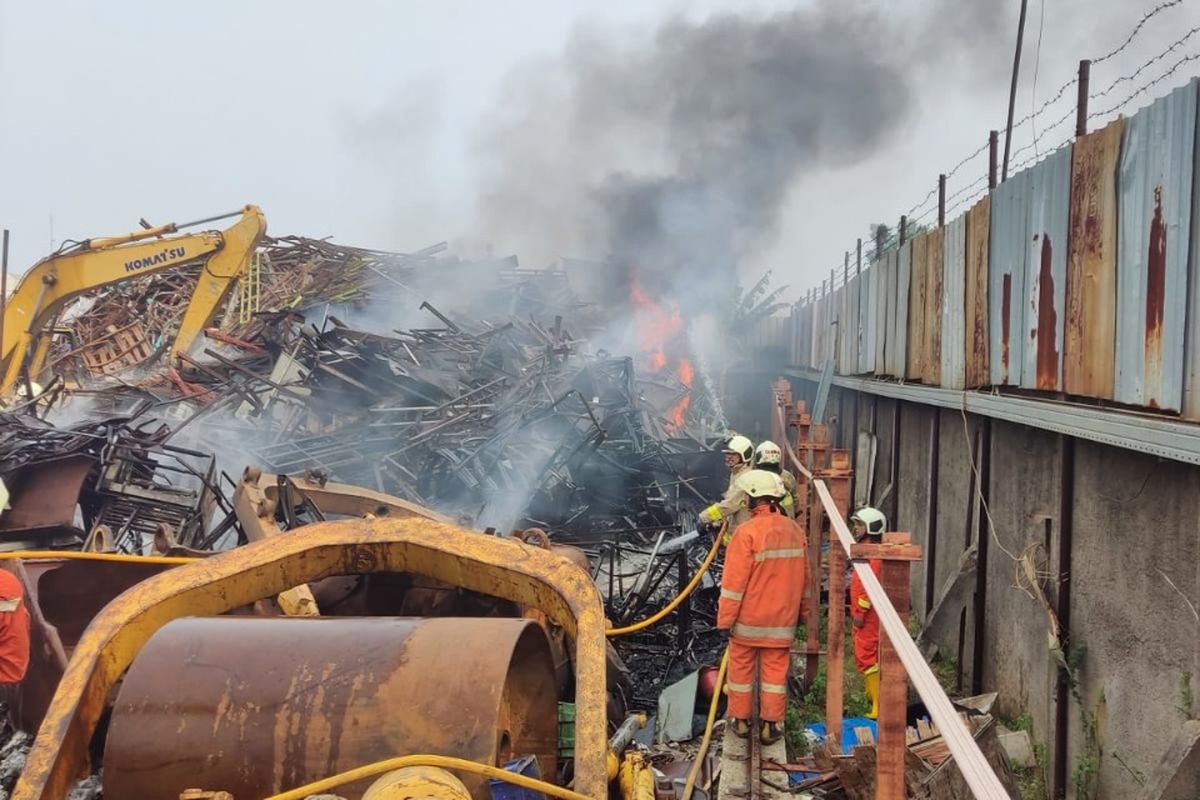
[
  {"x": 767, "y": 453},
  {"x": 872, "y": 519},
  {"x": 760, "y": 483},
  {"x": 740, "y": 445}
]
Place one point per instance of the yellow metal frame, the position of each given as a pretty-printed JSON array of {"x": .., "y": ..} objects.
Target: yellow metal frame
[
  {"x": 56, "y": 280},
  {"x": 504, "y": 568}
]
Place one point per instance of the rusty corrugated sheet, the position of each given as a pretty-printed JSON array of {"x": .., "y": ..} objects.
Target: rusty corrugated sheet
[
  {"x": 868, "y": 316},
  {"x": 1155, "y": 185},
  {"x": 1088, "y": 346},
  {"x": 1007, "y": 253},
  {"x": 917, "y": 293},
  {"x": 931, "y": 355},
  {"x": 975, "y": 295},
  {"x": 1046, "y": 271},
  {"x": 954, "y": 270},
  {"x": 897, "y": 345}
]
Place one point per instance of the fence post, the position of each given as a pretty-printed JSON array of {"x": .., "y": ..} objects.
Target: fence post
[
  {"x": 896, "y": 552},
  {"x": 903, "y": 228},
  {"x": 942, "y": 200},
  {"x": 993, "y": 156},
  {"x": 837, "y": 478},
  {"x": 1081, "y": 105}
]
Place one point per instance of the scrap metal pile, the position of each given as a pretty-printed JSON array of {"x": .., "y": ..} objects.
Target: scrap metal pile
[
  {"x": 131, "y": 324},
  {"x": 492, "y": 407}
]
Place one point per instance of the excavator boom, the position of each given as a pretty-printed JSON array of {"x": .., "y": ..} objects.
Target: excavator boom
[{"x": 57, "y": 279}]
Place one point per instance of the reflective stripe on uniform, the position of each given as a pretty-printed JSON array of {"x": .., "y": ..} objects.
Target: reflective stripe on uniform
[
  {"x": 729, "y": 594},
  {"x": 756, "y": 632},
  {"x": 737, "y": 687},
  {"x": 873, "y": 668},
  {"x": 774, "y": 688},
  {"x": 787, "y": 501},
  {"x": 787, "y": 552},
  {"x": 864, "y": 602}
]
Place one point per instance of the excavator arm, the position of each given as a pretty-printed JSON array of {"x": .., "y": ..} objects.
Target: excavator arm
[{"x": 56, "y": 280}]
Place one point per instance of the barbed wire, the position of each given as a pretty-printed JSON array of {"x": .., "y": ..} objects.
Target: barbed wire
[
  {"x": 1136, "y": 30},
  {"x": 1145, "y": 87},
  {"x": 1129, "y": 78},
  {"x": 967, "y": 195}
]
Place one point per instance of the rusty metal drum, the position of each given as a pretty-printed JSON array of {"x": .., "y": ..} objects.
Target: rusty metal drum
[{"x": 254, "y": 706}]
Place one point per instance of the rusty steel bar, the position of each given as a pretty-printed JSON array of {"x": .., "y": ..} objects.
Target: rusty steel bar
[
  {"x": 942, "y": 200},
  {"x": 1081, "y": 104}
]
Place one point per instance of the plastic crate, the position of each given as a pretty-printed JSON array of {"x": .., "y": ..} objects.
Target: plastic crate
[{"x": 566, "y": 730}]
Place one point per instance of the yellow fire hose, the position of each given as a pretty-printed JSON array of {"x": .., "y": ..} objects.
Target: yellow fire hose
[
  {"x": 75, "y": 555},
  {"x": 687, "y": 590},
  {"x": 445, "y": 762},
  {"x": 690, "y": 786}
]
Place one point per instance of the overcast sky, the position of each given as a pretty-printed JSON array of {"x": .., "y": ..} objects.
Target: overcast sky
[{"x": 363, "y": 120}]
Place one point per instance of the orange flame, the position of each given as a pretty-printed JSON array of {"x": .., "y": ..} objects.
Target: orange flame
[{"x": 657, "y": 325}]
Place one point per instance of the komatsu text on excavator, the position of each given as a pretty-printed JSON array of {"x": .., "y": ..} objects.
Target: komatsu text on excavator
[{"x": 80, "y": 267}]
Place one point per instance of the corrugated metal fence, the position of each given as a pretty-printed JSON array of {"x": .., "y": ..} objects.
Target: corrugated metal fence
[{"x": 1075, "y": 276}]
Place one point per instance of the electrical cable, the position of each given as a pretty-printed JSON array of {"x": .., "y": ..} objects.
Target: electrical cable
[{"x": 1037, "y": 63}]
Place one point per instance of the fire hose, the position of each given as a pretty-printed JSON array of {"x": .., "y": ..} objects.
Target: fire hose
[
  {"x": 687, "y": 590},
  {"x": 708, "y": 727}
]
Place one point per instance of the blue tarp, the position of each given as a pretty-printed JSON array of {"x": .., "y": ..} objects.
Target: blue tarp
[{"x": 849, "y": 739}]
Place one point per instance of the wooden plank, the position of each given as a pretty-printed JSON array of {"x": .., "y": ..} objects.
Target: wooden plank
[
  {"x": 893, "y": 691},
  {"x": 916, "y": 310},
  {"x": 1090, "y": 343},
  {"x": 976, "y": 294},
  {"x": 935, "y": 256}
]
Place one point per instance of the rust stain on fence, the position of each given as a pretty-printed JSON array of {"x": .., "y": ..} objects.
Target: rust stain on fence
[
  {"x": 1005, "y": 318},
  {"x": 1156, "y": 280},
  {"x": 1047, "y": 317}
]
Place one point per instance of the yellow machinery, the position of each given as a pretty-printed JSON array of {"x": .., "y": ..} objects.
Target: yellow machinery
[
  {"x": 188, "y": 690},
  {"x": 71, "y": 272}
]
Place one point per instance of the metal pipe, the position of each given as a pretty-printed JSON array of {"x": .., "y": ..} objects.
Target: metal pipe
[
  {"x": 1012, "y": 92},
  {"x": 1081, "y": 104}
]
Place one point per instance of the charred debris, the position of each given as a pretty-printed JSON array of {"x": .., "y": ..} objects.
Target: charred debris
[{"x": 493, "y": 408}]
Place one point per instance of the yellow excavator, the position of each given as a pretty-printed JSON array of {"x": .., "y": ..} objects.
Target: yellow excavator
[{"x": 75, "y": 270}]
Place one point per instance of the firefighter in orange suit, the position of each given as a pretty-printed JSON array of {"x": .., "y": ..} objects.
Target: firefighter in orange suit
[
  {"x": 761, "y": 592},
  {"x": 869, "y": 524}
]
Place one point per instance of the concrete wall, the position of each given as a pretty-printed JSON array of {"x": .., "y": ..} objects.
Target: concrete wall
[
  {"x": 1134, "y": 523},
  {"x": 1136, "y": 531}
]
